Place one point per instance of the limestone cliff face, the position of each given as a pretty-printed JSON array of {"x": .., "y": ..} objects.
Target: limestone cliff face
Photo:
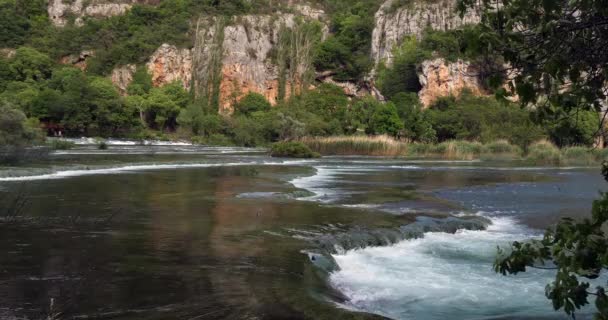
[
  {"x": 267, "y": 54},
  {"x": 61, "y": 10},
  {"x": 122, "y": 77},
  {"x": 440, "y": 78},
  {"x": 169, "y": 64},
  {"x": 393, "y": 23},
  {"x": 251, "y": 54}
]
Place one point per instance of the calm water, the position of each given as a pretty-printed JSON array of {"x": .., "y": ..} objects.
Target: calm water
[{"x": 183, "y": 232}]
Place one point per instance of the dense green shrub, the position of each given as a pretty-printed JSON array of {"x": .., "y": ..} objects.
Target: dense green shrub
[
  {"x": 16, "y": 129},
  {"x": 575, "y": 128},
  {"x": 402, "y": 76},
  {"x": 292, "y": 149},
  {"x": 417, "y": 126},
  {"x": 252, "y": 102},
  {"x": 347, "y": 51},
  {"x": 476, "y": 118},
  {"x": 385, "y": 120}
]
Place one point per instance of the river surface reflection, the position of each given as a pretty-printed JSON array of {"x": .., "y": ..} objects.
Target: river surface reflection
[{"x": 185, "y": 232}]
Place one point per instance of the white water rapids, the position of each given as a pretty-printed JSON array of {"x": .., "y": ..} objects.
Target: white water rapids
[{"x": 442, "y": 276}]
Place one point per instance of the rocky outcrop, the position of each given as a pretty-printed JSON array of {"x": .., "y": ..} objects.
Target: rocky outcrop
[
  {"x": 351, "y": 89},
  {"x": 394, "y": 22},
  {"x": 60, "y": 11},
  {"x": 168, "y": 64},
  {"x": 440, "y": 78},
  {"x": 251, "y": 49},
  {"x": 7, "y": 53},
  {"x": 266, "y": 54},
  {"x": 78, "y": 60},
  {"x": 122, "y": 76}
]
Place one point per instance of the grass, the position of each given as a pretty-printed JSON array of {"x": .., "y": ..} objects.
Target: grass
[
  {"x": 57, "y": 144},
  {"x": 542, "y": 152},
  {"x": 456, "y": 149},
  {"x": 357, "y": 145}
]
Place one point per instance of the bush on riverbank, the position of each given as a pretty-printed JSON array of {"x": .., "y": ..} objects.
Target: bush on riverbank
[{"x": 292, "y": 149}]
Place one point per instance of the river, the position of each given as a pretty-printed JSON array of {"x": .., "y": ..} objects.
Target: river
[{"x": 177, "y": 231}]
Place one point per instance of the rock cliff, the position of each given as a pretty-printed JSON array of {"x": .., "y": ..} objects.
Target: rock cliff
[
  {"x": 169, "y": 63},
  {"x": 397, "y": 19},
  {"x": 394, "y": 21},
  {"x": 61, "y": 11},
  {"x": 267, "y": 54},
  {"x": 440, "y": 78},
  {"x": 122, "y": 77}
]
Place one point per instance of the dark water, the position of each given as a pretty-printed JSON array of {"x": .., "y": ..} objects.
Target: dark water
[{"x": 180, "y": 232}]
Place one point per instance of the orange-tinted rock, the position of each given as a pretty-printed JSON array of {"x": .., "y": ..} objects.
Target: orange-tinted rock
[
  {"x": 79, "y": 61},
  {"x": 168, "y": 64},
  {"x": 440, "y": 78}
]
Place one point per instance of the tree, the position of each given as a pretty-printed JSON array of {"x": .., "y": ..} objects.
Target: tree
[
  {"x": 576, "y": 250},
  {"x": 417, "y": 126},
  {"x": 109, "y": 113},
  {"x": 252, "y": 102},
  {"x": 384, "y": 120},
  {"x": 578, "y": 127},
  {"x": 161, "y": 108},
  {"x": 559, "y": 52},
  {"x": 30, "y": 64},
  {"x": 402, "y": 76},
  {"x": 555, "y": 49},
  {"x": 16, "y": 130}
]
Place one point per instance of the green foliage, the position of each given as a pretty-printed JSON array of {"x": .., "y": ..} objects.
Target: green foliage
[
  {"x": 578, "y": 127},
  {"x": 292, "y": 149},
  {"x": 102, "y": 145},
  {"x": 57, "y": 144},
  {"x": 540, "y": 40},
  {"x": 417, "y": 126},
  {"x": 20, "y": 19},
  {"x": 475, "y": 118},
  {"x": 347, "y": 51},
  {"x": 252, "y": 102},
  {"x": 385, "y": 120},
  {"x": 246, "y": 131},
  {"x": 576, "y": 249},
  {"x": 402, "y": 76},
  {"x": 30, "y": 64},
  {"x": 141, "y": 83},
  {"x": 16, "y": 130}
]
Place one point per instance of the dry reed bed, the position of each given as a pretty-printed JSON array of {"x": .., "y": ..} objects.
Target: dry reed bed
[{"x": 540, "y": 153}]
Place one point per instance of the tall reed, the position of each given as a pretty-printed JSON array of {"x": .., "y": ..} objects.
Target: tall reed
[{"x": 357, "y": 145}]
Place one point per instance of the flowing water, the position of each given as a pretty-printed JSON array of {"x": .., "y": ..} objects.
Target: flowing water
[{"x": 176, "y": 231}]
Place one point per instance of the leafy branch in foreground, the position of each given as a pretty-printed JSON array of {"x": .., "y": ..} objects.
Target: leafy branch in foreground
[
  {"x": 576, "y": 250},
  {"x": 557, "y": 50}
]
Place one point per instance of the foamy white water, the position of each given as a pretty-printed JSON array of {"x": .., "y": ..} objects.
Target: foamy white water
[
  {"x": 443, "y": 276},
  {"x": 119, "y": 142},
  {"x": 60, "y": 174}
]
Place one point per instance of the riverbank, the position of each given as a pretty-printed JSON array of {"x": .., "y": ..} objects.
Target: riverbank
[{"x": 541, "y": 152}]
